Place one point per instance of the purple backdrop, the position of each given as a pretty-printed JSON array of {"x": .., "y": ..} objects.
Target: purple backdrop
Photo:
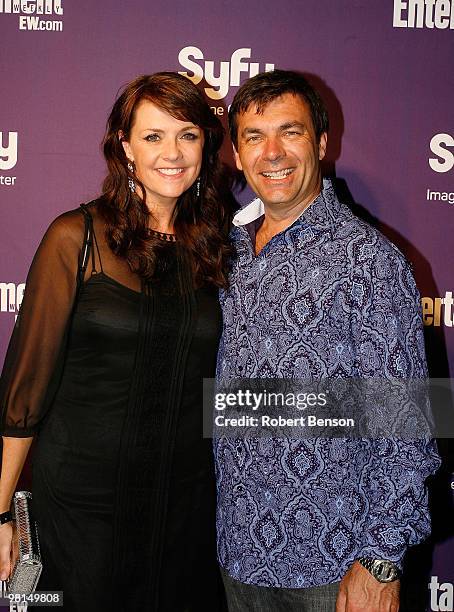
[{"x": 384, "y": 69}]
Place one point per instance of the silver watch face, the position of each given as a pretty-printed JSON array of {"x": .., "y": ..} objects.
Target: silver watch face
[{"x": 384, "y": 571}]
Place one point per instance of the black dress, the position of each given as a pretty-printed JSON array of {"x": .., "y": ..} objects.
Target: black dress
[{"x": 109, "y": 371}]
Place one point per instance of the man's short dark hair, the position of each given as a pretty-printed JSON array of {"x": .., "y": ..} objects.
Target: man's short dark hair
[{"x": 265, "y": 87}]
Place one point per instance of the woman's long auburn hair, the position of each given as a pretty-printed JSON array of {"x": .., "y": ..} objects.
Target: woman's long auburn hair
[{"x": 201, "y": 222}]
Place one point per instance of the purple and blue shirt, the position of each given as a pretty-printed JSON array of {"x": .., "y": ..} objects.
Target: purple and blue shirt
[{"x": 328, "y": 297}]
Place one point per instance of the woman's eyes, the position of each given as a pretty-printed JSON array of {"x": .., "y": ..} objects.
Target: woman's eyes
[
  {"x": 185, "y": 136},
  {"x": 190, "y": 136}
]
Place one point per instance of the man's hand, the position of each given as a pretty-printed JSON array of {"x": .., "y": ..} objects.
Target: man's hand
[{"x": 359, "y": 591}]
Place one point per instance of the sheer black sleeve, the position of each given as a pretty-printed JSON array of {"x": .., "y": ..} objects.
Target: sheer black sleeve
[{"x": 39, "y": 334}]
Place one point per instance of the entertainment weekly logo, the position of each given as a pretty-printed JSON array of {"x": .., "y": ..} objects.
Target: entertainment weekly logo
[
  {"x": 30, "y": 14},
  {"x": 435, "y": 311},
  {"x": 220, "y": 74},
  {"x": 441, "y": 595},
  {"x": 11, "y": 297},
  {"x": 438, "y": 311},
  {"x": 442, "y": 146},
  {"x": 429, "y": 14},
  {"x": 8, "y": 156}
]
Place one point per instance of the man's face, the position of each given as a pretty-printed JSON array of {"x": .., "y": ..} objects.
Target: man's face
[{"x": 279, "y": 153}]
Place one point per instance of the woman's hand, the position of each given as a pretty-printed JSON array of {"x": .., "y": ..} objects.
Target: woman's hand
[
  {"x": 13, "y": 458},
  {"x": 8, "y": 549}
]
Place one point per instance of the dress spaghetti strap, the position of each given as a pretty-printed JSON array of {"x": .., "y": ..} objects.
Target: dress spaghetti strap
[{"x": 90, "y": 246}]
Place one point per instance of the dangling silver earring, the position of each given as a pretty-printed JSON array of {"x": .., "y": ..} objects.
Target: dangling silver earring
[
  {"x": 197, "y": 187},
  {"x": 131, "y": 183}
]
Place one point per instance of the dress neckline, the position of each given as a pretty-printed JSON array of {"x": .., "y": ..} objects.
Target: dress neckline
[{"x": 162, "y": 235}]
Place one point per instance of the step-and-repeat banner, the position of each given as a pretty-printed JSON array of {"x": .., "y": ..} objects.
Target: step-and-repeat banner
[{"x": 385, "y": 70}]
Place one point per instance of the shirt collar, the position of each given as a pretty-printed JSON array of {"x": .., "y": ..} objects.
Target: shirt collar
[
  {"x": 249, "y": 213},
  {"x": 321, "y": 213}
]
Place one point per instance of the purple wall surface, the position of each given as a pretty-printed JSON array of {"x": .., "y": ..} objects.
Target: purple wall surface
[{"x": 384, "y": 69}]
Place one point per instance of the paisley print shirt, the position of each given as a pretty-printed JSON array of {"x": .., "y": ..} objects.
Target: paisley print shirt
[{"x": 327, "y": 297}]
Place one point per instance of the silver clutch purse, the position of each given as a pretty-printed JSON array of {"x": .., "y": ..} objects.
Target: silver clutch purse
[{"x": 28, "y": 566}]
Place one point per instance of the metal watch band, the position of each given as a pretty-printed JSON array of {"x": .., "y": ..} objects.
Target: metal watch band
[
  {"x": 6, "y": 517},
  {"x": 381, "y": 570}
]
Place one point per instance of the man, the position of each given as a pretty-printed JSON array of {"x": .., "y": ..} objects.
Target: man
[{"x": 313, "y": 524}]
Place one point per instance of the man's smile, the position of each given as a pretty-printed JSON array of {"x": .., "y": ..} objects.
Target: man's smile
[{"x": 278, "y": 174}]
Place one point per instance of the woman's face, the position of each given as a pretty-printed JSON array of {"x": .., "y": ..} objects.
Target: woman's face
[{"x": 166, "y": 152}]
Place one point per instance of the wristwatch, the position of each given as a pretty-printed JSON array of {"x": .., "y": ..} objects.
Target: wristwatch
[{"x": 381, "y": 570}]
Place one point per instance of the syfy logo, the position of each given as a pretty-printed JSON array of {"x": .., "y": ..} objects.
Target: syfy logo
[
  {"x": 438, "y": 310},
  {"x": 439, "y": 145},
  {"x": 8, "y": 153},
  {"x": 11, "y": 296},
  {"x": 28, "y": 7},
  {"x": 441, "y": 595},
  {"x": 424, "y": 14},
  {"x": 227, "y": 74}
]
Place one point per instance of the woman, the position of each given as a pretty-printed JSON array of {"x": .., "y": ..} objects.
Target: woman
[{"x": 119, "y": 324}]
